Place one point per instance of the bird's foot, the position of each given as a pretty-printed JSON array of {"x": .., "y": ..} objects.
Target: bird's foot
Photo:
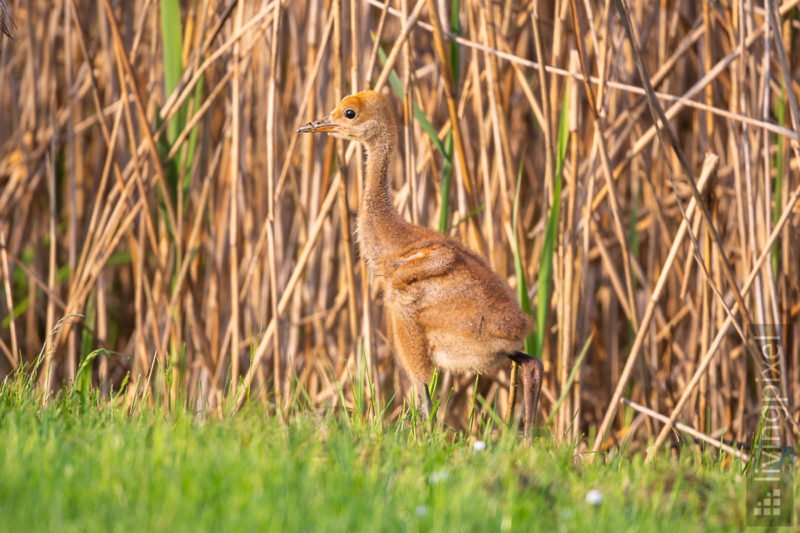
[{"x": 531, "y": 372}]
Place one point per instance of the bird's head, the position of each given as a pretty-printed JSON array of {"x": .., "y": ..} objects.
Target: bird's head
[{"x": 363, "y": 117}]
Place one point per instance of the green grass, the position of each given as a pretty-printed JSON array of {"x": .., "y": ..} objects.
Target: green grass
[
  {"x": 551, "y": 231},
  {"x": 777, "y": 184},
  {"x": 79, "y": 466},
  {"x": 172, "y": 34},
  {"x": 519, "y": 268}
]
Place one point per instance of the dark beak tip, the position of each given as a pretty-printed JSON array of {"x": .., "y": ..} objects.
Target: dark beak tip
[{"x": 321, "y": 125}]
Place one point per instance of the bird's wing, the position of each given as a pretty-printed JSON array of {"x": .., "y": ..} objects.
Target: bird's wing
[{"x": 425, "y": 260}]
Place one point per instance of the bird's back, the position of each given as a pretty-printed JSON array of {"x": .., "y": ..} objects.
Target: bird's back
[
  {"x": 476, "y": 298},
  {"x": 469, "y": 314}
]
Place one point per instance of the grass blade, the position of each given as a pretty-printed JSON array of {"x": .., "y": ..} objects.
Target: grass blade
[
  {"x": 519, "y": 268},
  {"x": 548, "y": 252},
  {"x": 571, "y": 378},
  {"x": 171, "y": 35}
]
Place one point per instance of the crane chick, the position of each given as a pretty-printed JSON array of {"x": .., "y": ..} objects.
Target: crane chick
[{"x": 446, "y": 307}]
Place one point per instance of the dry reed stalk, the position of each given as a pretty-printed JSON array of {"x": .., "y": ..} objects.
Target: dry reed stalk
[
  {"x": 458, "y": 140},
  {"x": 13, "y": 356},
  {"x": 683, "y": 100},
  {"x": 338, "y": 67},
  {"x": 688, "y": 430},
  {"x": 50, "y": 320},
  {"x": 569, "y": 411},
  {"x": 709, "y": 167},
  {"x": 712, "y": 350},
  {"x": 178, "y": 98},
  {"x": 233, "y": 222},
  {"x": 407, "y": 117},
  {"x": 126, "y": 72},
  {"x": 290, "y": 285},
  {"x": 280, "y": 377},
  {"x": 88, "y": 120},
  {"x": 7, "y": 25}
]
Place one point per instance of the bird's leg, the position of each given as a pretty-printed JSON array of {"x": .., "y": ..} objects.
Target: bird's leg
[{"x": 531, "y": 371}]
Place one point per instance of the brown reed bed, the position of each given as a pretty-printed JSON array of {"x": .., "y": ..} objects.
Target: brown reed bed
[{"x": 157, "y": 204}]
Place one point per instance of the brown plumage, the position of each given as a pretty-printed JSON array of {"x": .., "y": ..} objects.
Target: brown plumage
[{"x": 446, "y": 307}]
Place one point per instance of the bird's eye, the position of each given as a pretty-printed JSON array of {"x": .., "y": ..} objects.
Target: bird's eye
[{"x": 350, "y": 113}]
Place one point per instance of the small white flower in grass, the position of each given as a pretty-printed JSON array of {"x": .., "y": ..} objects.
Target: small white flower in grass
[
  {"x": 594, "y": 497},
  {"x": 438, "y": 476},
  {"x": 479, "y": 445},
  {"x": 422, "y": 510}
]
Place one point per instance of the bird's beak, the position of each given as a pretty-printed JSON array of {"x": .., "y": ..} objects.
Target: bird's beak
[{"x": 321, "y": 125}]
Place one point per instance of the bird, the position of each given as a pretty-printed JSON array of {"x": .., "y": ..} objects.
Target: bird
[{"x": 444, "y": 304}]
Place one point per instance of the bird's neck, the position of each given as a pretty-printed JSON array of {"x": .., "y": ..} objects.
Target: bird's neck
[{"x": 380, "y": 227}]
